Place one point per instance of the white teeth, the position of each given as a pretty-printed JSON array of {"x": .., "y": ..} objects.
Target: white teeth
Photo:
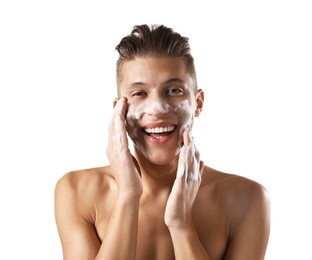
[{"x": 159, "y": 130}]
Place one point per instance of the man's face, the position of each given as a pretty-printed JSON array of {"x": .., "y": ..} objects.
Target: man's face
[{"x": 161, "y": 103}]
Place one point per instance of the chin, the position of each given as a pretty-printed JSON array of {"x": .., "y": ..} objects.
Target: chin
[
  {"x": 159, "y": 156},
  {"x": 162, "y": 160}
]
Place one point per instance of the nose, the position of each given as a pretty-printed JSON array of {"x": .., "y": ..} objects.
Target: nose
[{"x": 157, "y": 107}]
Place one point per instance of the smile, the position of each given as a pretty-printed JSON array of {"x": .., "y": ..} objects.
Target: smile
[
  {"x": 159, "y": 134},
  {"x": 159, "y": 130}
]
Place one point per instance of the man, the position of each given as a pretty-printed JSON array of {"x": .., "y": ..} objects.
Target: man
[{"x": 162, "y": 202}]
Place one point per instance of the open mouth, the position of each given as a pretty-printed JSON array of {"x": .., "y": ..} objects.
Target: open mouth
[{"x": 159, "y": 132}]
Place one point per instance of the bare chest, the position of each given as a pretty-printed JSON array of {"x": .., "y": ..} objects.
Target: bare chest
[{"x": 154, "y": 241}]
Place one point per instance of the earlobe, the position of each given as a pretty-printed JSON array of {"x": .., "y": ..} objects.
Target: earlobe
[{"x": 199, "y": 102}]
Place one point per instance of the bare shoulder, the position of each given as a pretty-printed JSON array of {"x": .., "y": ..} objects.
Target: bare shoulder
[
  {"x": 243, "y": 209},
  {"x": 84, "y": 187},
  {"x": 232, "y": 184},
  {"x": 84, "y": 180},
  {"x": 78, "y": 195},
  {"x": 237, "y": 194}
]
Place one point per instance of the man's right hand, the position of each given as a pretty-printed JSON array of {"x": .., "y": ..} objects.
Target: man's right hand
[{"x": 123, "y": 164}]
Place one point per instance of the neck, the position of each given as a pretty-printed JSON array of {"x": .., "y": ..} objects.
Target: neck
[{"x": 157, "y": 178}]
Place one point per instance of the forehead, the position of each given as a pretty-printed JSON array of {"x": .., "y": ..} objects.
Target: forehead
[{"x": 154, "y": 70}]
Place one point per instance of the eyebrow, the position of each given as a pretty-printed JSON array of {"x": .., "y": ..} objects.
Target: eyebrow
[
  {"x": 174, "y": 80},
  {"x": 140, "y": 83},
  {"x": 134, "y": 84}
]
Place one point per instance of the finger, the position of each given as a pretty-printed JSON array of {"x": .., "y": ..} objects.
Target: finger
[
  {"x": 186, "y": 137},
  {"x": 118, "y": 121},
  {"x": 197, "y": 157},
  {"x": 121, "y": 107},
  {"x": 136, "y": 164},
  {"x": 117, "y": 128},
  {"x": 118, "y": 104},
  {"x": 182, "y": 162},
  {"x": 195, "y": 166},
  {"x": 201, "y": 167}
]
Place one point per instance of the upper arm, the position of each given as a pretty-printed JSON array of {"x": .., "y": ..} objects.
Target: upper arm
[
  {"x": 78, "y": 236},
  {"x": 251, "y": 232}
]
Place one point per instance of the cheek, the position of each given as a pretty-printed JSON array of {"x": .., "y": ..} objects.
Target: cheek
[
  {"x": 185, "y": 113},
  {"x": 135, "y": 111},
  {"x": 133, "y": 116}
]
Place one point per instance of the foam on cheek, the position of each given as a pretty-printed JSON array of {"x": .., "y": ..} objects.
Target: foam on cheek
[
  {"x": 185, "y": 113},
  {"x": 134, "y": 115}
]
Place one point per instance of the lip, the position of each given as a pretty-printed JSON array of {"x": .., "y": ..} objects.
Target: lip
[{"x": 159, "y": 139}]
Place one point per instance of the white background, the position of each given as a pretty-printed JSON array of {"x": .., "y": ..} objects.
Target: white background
[{"x": 57, "y": 79}]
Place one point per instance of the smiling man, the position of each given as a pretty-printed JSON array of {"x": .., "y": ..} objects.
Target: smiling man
[{"x": 162, "y": 202}]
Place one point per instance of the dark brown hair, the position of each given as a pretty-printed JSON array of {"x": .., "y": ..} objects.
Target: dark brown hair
[{"x": 155, "y": 41}]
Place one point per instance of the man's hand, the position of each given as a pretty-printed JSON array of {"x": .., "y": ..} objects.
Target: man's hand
[
  {"x": 178, "y": 213},
  {"x": 123, "y": 164}
]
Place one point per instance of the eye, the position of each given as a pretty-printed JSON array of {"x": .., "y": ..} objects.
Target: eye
[
  {"x": 138, "y": 94},
  {"x": 175, "y": 92}
]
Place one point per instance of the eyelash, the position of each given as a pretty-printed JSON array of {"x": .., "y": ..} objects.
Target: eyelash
[
  {"x": 171, "y": 92},
  {"x": 138, "y": 94}
]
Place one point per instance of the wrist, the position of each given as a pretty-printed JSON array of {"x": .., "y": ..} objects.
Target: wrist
[
  {"x": 180, "y": 231},
  {"x": 128, "y": 196},
  {"x": 179, "y": 221},
  {"x": 180, "y": 226},
  {"x": 127, "y": 191}
]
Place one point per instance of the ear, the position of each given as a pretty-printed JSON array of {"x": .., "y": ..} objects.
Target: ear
[{"x": 199, "y": 101}]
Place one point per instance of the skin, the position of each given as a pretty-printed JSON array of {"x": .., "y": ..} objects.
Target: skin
[
  {"x": 162, "y": 202},
  {"x": 182, "y": 111}
]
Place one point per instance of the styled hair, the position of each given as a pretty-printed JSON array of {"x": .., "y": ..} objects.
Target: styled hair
[{"x": 154, "y": 41}]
